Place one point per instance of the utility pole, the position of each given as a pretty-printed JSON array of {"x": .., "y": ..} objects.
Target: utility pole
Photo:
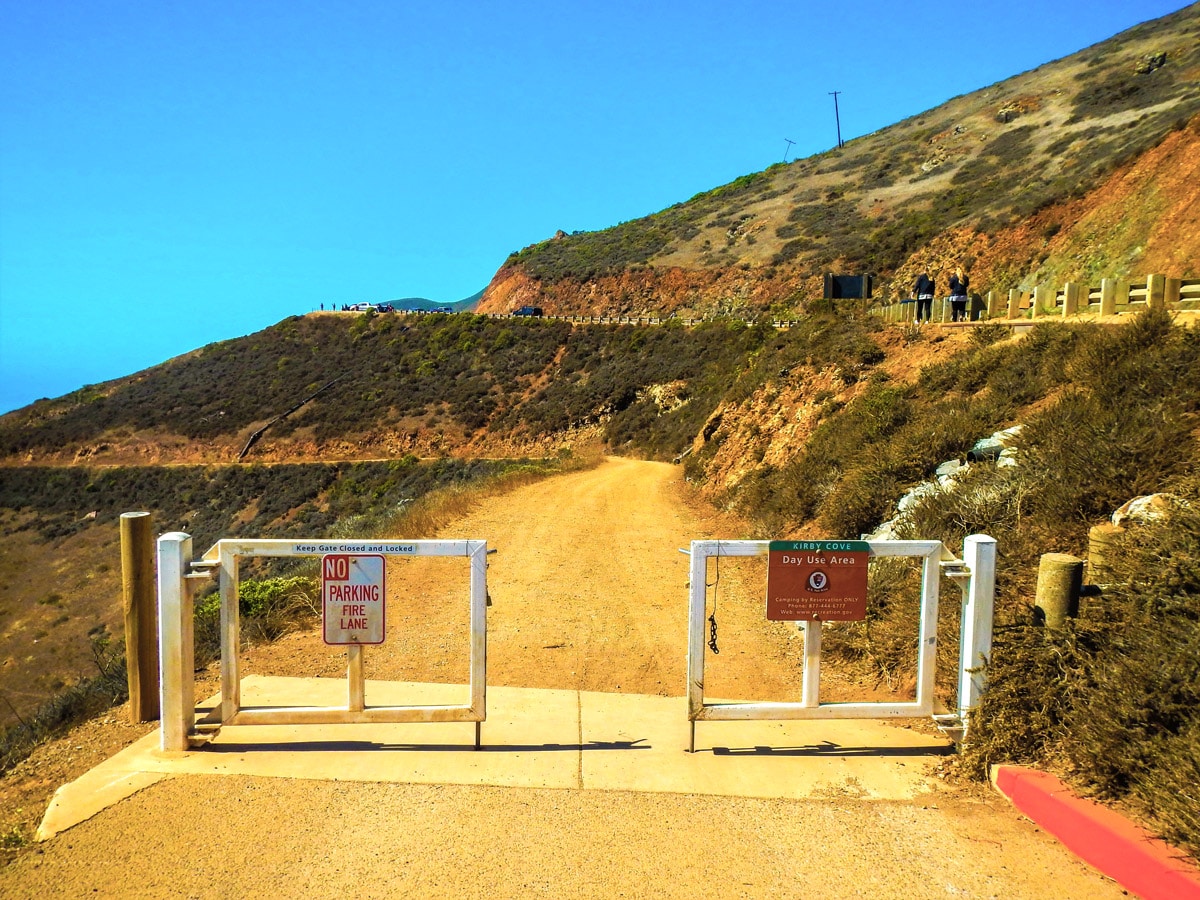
[
  {"x": 837, "y": 117},
  {"x": 788, "y": 149}
]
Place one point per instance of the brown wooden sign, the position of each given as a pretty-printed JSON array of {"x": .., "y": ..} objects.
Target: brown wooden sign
[{"x": 817, "y": 581}]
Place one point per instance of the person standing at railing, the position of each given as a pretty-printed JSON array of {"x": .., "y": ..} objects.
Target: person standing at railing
[
  {"x": 958, "y": 295},
  {"x": 923, "y": 290}
]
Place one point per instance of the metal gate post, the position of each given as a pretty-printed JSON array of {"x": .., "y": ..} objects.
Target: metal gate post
[
  {"x": 176, "y": 649},
  {"x": 697, "y": 590},
  {"x": 231, "y": 635},
  {"x": 979, "y": 556}
]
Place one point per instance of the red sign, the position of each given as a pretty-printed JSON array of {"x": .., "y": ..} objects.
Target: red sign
[
  {"x": 817, "y": 581},
  {"x": 352, "y": 598}
]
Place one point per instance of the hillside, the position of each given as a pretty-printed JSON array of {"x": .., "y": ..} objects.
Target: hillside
[
  {"x": 1080, "y": 168},
  {"x": 391, "y": 385}
]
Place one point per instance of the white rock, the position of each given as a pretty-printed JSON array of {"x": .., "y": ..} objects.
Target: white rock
[
  {"x": 1007, "y": 459},
  {"x": 914, "y": 496},
  {"x": 949, "y": 467},
  {"x": 1147, "y": 508}
]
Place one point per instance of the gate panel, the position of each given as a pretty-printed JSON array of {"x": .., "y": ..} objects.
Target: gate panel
[
  {"x": 979, "y": 568},
  {"x": 225, "y": 555}
]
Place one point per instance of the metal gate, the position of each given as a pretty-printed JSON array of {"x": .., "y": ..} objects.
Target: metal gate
[
  {"x": 176, "y": 637},
  {"x": 975, "y": 571}
]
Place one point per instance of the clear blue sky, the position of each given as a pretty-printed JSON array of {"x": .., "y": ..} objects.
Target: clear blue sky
[{"x": 176, "y": 173}]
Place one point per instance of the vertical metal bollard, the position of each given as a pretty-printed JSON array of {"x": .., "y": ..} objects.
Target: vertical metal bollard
[
  {"x": 979, "y": 555},
  {"x": 137, "y": 589},
  {"x": 177, "y": 682}
]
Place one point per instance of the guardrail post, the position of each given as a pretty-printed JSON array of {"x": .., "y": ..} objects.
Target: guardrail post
[
  {"x": 1014, "y": 303},
  {"x": 1040, "y": 295},
  {"x": 1156, "y": 289},
  {"x": 1172, "y": 290},
  {"x": 1071, "y": 293},
  {"x": 137, "y": 590},
  {"x": 1108, "y": 297},
  {"x": 177, "y": 685},
  {"x": 979, "y": 556},
  {"x": 993, "y": 304}
]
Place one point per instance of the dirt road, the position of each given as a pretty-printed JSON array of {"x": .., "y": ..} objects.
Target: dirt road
[{"x": 589, "y": 593}]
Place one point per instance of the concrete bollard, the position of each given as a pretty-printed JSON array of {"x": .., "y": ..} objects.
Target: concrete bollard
[
  {"x": 1101, "y": 542},
  {"x": 1060, "y": 578},
  {"x": 1014, "y": 303},
  {"x": 141, "y": 620}
]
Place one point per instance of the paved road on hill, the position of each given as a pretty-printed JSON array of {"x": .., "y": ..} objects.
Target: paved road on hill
[{"x": 588, "y": 594}]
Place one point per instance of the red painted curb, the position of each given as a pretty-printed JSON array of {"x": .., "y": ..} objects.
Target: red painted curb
[{"x": 1104, "y": 839}]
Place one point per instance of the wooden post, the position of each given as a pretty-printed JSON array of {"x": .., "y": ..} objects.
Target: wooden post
[
  {"x": 141, "y": 625},
  {"x": 1014, "y": 303},
  {"x": 1060, "y": 577},
  {"x": 1172, "y": 291},
  {"x": 1156, "y": 289},
  {"x": 1071, "y": 293},
  {"x": 1039, "y": 301},
  {"x": 994, "y": 299},
  {"x": 1108, "y": 297}
]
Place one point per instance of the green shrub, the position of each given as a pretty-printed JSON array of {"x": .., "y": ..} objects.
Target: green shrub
[{"x": 1114, "y": 697}]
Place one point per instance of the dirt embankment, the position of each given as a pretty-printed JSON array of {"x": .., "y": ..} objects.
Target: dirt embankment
[{"x": 652, "y": 292}]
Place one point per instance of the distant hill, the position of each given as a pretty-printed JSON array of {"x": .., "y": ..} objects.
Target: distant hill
[
  {"x": 1083, "y": 167},
  {"x": 467, "y": 304}
]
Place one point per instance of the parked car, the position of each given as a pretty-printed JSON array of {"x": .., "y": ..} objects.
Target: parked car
[
  {"x": 361, "y": 307},
  {"x": 384, "y": 307},
  {"x": 528, "y": 311}
]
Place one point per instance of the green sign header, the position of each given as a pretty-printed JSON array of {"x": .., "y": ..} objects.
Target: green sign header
[{"x": 820, "y": 546}]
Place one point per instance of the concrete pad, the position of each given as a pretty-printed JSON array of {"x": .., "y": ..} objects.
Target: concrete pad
[
  {"x": 89, "y": 794},
  {"x": 859, "y": 758},
  {"x": 532, "y": 738}
]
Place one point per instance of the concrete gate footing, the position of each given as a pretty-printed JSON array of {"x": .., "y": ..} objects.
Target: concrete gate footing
[{"x": 532, "y": 738}]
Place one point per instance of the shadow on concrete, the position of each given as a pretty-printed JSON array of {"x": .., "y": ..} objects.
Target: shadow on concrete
[
  {"x": 368, "y": 746},
  {"x": 828, "y": 748}
]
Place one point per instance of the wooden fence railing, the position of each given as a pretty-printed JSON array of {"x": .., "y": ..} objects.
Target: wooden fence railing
[
  {"x": 622, "y": 320},
  {"x": 1112, "y": 297}
]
